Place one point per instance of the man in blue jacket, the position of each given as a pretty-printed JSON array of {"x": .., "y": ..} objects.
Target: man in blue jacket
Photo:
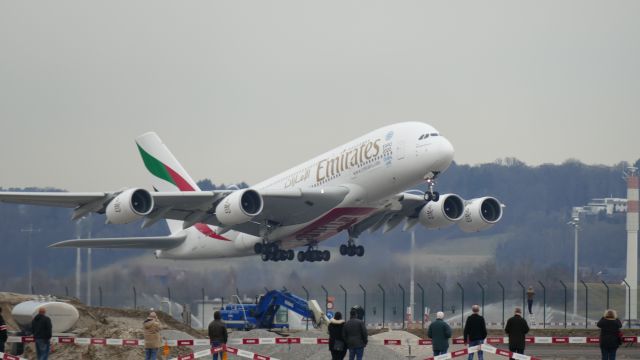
[{"x": 439, "y": 332}]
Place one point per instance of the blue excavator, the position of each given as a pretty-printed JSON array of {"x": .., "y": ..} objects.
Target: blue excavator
[{"x": 262, "y": 314}]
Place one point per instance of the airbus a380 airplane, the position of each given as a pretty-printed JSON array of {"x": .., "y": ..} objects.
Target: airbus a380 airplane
[{"x": 355, "y": 187}]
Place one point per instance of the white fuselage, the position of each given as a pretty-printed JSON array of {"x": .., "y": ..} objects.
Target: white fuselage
[{"x": 375, "y": 167}]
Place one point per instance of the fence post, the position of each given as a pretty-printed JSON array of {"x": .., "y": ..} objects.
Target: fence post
[
  {"x": 33, "y": 290},
  {"x": 402, "y": 308},
  {"x": 364, "y": 305},
  {"x": 383, "y": 303},
  {"x": 629, "y": 302},
  {"x": 422, "y": 303},
  {"x": 522, "y": 286},
  {"x": 482, "y": 289},
  {"x": 565, "y": 303},
  {"x": 66, "y": 291},
  {"x": 441, "y": 296},
  {"x": 586, "y": 304},
  {"x": 607, "y": 286},
  {"x": 203, "y": 307},
  {"x": 544, "y": 305},
  {"x": 100, "y": 295},
  {"x": 307, "y": 293},
  {"x": 345, "y": 300},
  {"x": 326, "y": 299},
  {"x": 135, "y": 299},
  {"x": 462, "y": 308},
  {"x": 502, "y": 287}
]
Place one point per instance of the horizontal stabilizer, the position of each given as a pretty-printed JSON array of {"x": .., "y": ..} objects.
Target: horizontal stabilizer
[{"x": 154, "y": 242}]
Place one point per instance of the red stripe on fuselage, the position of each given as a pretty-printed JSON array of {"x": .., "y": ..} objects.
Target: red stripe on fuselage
[
  {"x": 332, "y": 223},
  {"x": 183, "y": 185}
]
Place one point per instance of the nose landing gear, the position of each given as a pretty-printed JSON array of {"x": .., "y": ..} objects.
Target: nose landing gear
[{"x": 430, "y": 194}]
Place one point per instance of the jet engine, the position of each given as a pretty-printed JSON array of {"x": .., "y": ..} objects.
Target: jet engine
[
  {"x": 480, "y": 214},
  {"x": 128, "y": 206},
  {"x": 238, "y": 207},
  {"x": 442, "y": 213}
]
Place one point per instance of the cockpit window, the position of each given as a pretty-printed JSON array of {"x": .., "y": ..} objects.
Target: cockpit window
[
  {"x": 434, "y": 134},
  {"x": 421, "y": 137}
]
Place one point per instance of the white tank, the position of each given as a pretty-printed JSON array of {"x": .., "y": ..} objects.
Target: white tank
[{"x": 63, "y": 316}]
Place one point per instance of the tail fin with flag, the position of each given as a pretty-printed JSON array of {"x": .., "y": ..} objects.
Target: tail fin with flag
[{"x": 167, "y": 173}]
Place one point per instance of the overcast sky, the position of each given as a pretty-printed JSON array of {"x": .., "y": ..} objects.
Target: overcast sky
[{"x": 241, "y": 90}]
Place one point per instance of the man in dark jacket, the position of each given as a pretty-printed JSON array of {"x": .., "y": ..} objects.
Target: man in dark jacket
[
  {"x": 217, "y": 333},
  {"x": 517, "y": 328},
  {"x": 439, "y": 332},
  {"x": 41, "y": 328},
  {"x": 475, "y": 330},
  {"x": 3, "y": 332},
  {"x": 355, "y": 335}
]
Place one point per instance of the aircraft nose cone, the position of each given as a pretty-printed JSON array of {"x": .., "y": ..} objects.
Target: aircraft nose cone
[{"x": 445, "y": 153}]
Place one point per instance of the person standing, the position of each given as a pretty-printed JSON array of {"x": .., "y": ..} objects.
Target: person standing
[
  {"x": 337, "y": 345},
  {"x": 354, "y": 333},
  {"x": 530, "y": 294},
  {"x": 475, "y": 330},
  {"x": 152, "y": 339},
  {"x": 516, "y": 329},
  {"x": 217, "y": 334},
  {"x": 610, "y": 327},
  {"x": 3, "y": 332},
  {"x": 440, "y": 333},
  {"x": 42, "y": 329}
]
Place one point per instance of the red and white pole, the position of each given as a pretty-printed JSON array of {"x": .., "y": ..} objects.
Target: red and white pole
[{"x": 633, "y": 197}]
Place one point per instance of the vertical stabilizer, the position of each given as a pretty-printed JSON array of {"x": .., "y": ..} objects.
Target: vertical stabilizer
[{"x": 167, "y": 173}]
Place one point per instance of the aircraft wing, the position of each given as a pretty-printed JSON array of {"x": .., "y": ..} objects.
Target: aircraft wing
[
  {"x": 280, "y": 207},
  {"x": 156, "y": 243},
  {"x": 405, "y": 206}
]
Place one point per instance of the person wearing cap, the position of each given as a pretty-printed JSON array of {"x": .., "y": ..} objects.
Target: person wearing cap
[
  {"x": 42, "y": 329},
  {"x": 152, "y": 339},
  {"x": 516, "y": 329},
  {"x": 3, "y": 332},
  {"x": 354, "y": 333},
  {"x": 439, "y": 332},
  {"x": 217, "y": 333},
  {"x": 475, "y": 330}
]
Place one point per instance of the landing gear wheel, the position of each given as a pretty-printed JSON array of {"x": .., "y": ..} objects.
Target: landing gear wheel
[
  {"x": 290, "y": 255},
  {"x": 351, "y": 251},
  {"x": 258, "y": 248},
  {"x": 326, "y": 255},
  {"x": 344, "y": 249},
  {"x": 435, "y": 196},
  {"x": 301, "y": 256},
  {"x": 283, "y": 255},
  {"x": 359, "y": 250},
  {"x": 264, "y": 257}
]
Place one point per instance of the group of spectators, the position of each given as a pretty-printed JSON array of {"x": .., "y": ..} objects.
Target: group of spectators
[
  {"x": 348, "y": 336},
  {"x": 475, "y": 332}
]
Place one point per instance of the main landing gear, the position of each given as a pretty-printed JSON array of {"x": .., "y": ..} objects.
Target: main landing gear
[
  {"x": 430, "y": 194},
  {"x": 350, "y": 249},
  {"x": 272, "y": 252},
  {"x": 312, "y": 254}
]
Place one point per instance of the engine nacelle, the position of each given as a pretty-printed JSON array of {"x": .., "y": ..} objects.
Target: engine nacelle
[
  {"x": 442, "y": 213},
  {"x": 239, "y": 207},
  {"x": 128, "y": 206},
  {"x": 480, "y": 214}
]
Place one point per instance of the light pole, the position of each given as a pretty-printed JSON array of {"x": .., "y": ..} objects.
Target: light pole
[{"x": 575, "y": 222}]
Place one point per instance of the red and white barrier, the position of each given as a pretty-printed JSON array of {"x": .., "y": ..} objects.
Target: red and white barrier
[
  {"x": 231, "y": 350},
  {"x": 484, "y": 347},
  {"x": 312, "y": 341},
  {"x": 4, "y": 356}
]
